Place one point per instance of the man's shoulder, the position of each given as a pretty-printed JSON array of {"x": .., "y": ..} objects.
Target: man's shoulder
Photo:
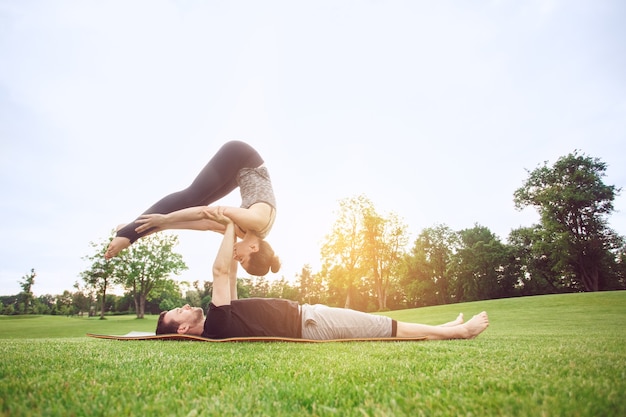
[{"x": 214, "y": 307}]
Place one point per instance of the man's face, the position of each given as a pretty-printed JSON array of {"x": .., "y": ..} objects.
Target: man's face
[{"x": 185, "y": 315}]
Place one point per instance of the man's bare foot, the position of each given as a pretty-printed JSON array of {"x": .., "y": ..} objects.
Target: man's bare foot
[
  {"x": 116, "y": 246},
  {"x": 476, "y": 325},
  {"x": 455, "y": 322}
]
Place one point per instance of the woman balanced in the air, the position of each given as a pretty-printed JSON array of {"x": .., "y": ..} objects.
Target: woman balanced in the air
[{"x": 236, "y": 164}]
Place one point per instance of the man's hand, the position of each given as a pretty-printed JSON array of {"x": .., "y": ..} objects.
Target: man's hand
[
  {"x": 217, "y": 213},
  {"x": 148, "y": 221},
  {"x": 223, "y": 262}
]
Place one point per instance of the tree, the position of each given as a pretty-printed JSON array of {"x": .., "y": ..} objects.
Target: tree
[
  {"x": 282, "y": 289},
  {"x": 64, "y": 303},
  {"x": 44, "y": 304},
  {"x": 619, "y": 267},
  {"x": 168, "y": 296},
  {"x": 26, "y": 297},
  {"x": 362, "y": 254},
  {"x": 537, "y": 271},
  {"x": 573, "y": 204},
  {"x": 9, "y": 310},
  {"x": 481, "y": 266},
  {"x": 428, "y": 279},
  {"x": 82, "y": 300},
  {"x": 384, "y": 240},
  {"x": 101, "y": 273},
  {"x": 145, "y": 266},
  {"x": 258, "y": 287},
  {"x": 310, "y": 285},
  {"x": 343, "y": 247}
]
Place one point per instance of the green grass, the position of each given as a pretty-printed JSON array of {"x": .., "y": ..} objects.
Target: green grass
[
  {"x": 560, "y": 355},
  {"x": 38, "y": 327}
]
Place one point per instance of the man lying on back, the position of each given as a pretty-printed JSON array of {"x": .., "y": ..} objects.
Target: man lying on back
[{"x": 229, "y": 317}]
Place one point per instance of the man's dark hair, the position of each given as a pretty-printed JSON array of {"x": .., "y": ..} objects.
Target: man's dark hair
[
  {"x": 262, "y": 261},
  {"x": 166, "y": 328}
]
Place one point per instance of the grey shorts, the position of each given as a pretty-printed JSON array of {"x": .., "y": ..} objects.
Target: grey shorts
[{"x": 320, "y": 322}]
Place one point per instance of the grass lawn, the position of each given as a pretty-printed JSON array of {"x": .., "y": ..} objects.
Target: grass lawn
[{"x": 556, "y": 355}]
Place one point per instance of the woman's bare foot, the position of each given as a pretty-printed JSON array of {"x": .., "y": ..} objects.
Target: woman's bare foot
[
  {"x": 476, "y": 325},
  {"x": 116, "y": 246},
  {"x": 455, "y": 322}
]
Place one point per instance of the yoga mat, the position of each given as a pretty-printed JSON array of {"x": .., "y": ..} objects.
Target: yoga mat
[{"x": 182, "y": 337}]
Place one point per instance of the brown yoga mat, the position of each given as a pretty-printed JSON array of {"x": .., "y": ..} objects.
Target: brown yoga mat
[{"x": 152, "y": 336}]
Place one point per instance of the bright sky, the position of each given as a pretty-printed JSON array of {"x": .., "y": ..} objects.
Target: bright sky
[{"x": 433, "y": 110}]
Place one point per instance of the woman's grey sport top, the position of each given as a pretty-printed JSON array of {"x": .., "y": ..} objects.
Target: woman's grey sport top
[{"x": 255, "y": 186}]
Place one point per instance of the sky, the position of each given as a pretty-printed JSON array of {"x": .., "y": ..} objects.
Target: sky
[{"x": 435, "y": 111}]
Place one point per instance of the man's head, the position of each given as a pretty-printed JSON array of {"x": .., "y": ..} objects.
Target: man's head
[{"x": 182, "y": 320}]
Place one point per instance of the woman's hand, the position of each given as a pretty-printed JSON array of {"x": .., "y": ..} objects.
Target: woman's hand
[{"x": 148, "y": 221}]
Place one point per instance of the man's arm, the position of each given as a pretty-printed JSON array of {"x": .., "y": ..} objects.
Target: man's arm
[
  {"x": 233, "y": 279},
  {"x": 222, "y": 268}
]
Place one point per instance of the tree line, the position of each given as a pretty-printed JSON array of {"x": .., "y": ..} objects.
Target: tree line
[{"x": 367, "y": 263}]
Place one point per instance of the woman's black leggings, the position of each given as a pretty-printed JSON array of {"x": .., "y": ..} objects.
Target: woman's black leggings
[{"x": 217, "y": 179}]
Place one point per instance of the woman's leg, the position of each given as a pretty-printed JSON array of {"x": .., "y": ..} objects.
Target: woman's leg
[{"x": 216, "y": 180}]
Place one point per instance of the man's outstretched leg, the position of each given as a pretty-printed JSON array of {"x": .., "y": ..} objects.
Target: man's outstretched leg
[
  {"x": 455, "y": 322},
  {"x": 467, "y": 330}
]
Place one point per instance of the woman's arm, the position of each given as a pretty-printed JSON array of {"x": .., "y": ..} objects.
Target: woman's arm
[
  {"x": 255, "y": 218},
  {"x": 159, "y": 222},
  {"x": 168, "y": 221}
]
